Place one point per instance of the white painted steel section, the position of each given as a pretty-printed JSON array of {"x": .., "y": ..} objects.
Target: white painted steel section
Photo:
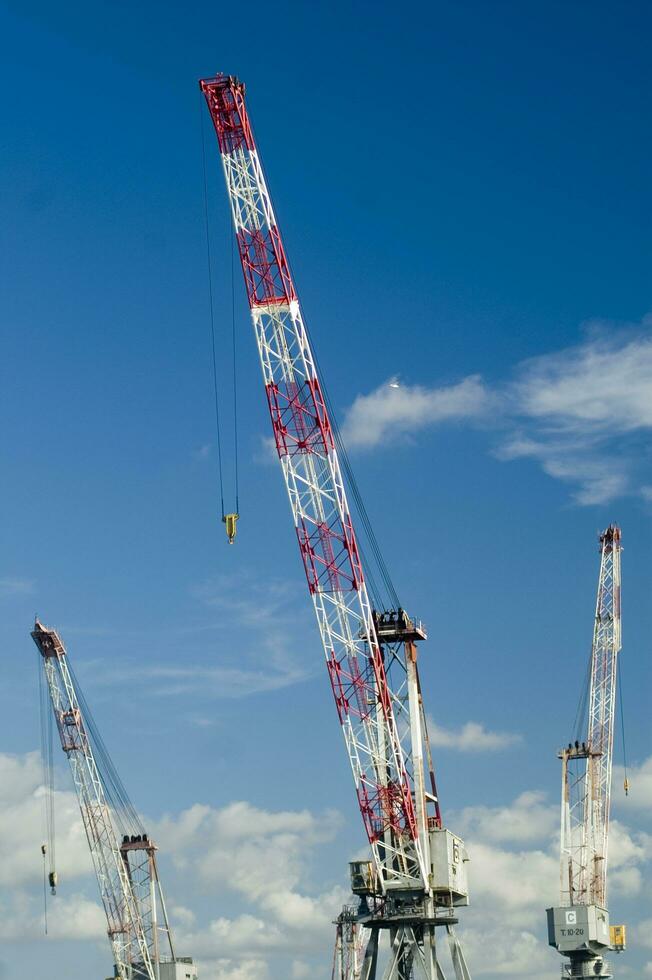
[{"x": 586, "y": 783}]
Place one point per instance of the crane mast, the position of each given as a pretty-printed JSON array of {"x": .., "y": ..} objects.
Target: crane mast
[
  {"x": 370, "y": 657},
  {"x": 579, "y": 927},
  {"x": 126, "y": 872}
]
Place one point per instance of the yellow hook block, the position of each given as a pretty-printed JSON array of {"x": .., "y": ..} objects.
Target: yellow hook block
[{"x": 231, "y": 520}]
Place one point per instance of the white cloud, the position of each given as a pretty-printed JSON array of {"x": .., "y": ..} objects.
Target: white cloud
[
  {"x": 504, "y": 951},
  {"x": 579, "y": 410},
  {"x": 576, "y": 461},
  {"x": 260, "y": 859},
  {"x": 582, "y": 413},
  {"x": 301, "y": 970},
  {"x": 244, "y": 934},
  {"x": 69, "y": 917},
  {"x": 225, "y": 969},
  {"x": 640, "y": 787},
  {"x": 272, "y": 920},
  {"x": 72, "y": 915},
  {"x": 529, "y": 818},
  {"x": 471, "y": 737},
  {"x": 642, "y": 933},
  {"x": 627, "y": 847},
  {"x": 511, "y": 886},
  {"x": 389, "y": 412},
  {"x": 603, "y": 385},
  {"x": 521, "y": 883},
  {"x": 264, "y": 857},
  {"x": 21, "y": 823}
]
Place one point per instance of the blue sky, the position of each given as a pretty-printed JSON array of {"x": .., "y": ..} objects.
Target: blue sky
[{"x": 464, "y": 194}]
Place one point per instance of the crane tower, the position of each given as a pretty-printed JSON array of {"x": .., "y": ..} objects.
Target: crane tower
[
  {"x": 579, "y": 927},
  {"x": 126, "y": 869},
  {"x": 418, "y": 873}
]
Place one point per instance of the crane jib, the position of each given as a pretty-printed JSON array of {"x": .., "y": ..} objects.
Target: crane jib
[{"x": 378, "y": 747}]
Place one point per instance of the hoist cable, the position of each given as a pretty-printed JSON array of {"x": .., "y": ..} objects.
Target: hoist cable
[
  {"x": 45, "y": 892},
  {"x": 392, "y": 598},
  {"x": 125, "y": 813},
  {"x": 622, "y": 722},
  {"x": 47, "y": 757},
  {"x": 580, "y": 714},
  {"x": 209, "y": 264},
  {"x": 235, "y": 375}
]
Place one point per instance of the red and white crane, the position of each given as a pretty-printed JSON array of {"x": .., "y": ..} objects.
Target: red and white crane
[
  {"x": 418, "y": 874},
  {"x": 579, "y": 927},
  {"x": 125, "y": 864}
]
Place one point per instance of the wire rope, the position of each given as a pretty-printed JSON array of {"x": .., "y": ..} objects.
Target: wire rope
[
  {"x": 209, "y": 264},
  {"x": 235, "y": 373},
  {"x": 622, "y": 724},
  {"x": 126, "y": 815}
]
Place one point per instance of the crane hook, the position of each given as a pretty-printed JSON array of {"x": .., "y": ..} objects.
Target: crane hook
[{"x": 230, "y": 520}]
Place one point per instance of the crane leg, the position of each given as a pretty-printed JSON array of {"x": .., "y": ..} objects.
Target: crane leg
[
  {"x": 413, "y": 957},
  {"x": 457, "y": 956},
  {"x": 370, "y": 961}
]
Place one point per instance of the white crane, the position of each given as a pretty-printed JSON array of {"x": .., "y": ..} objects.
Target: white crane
[
  {"x": 579, "y": 926},
  {"x": 126, "y": 869}
]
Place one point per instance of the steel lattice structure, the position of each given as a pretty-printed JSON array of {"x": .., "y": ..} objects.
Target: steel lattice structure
[
  {"x": 374, "y": 677},
  {"x": 139, "y": 857},
  {"x": 587, "y": 767},
  {"x": 126, "y": 934},
  {"x": 579, "y": 927},
  {"x": 126, "y": 871}
]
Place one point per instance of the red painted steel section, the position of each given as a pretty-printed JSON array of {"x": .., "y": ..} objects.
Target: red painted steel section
[
  {"x": 225, "y": 98},
  {"x": 298, "y": 419},
  {"x": 265, "y": 267}
]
